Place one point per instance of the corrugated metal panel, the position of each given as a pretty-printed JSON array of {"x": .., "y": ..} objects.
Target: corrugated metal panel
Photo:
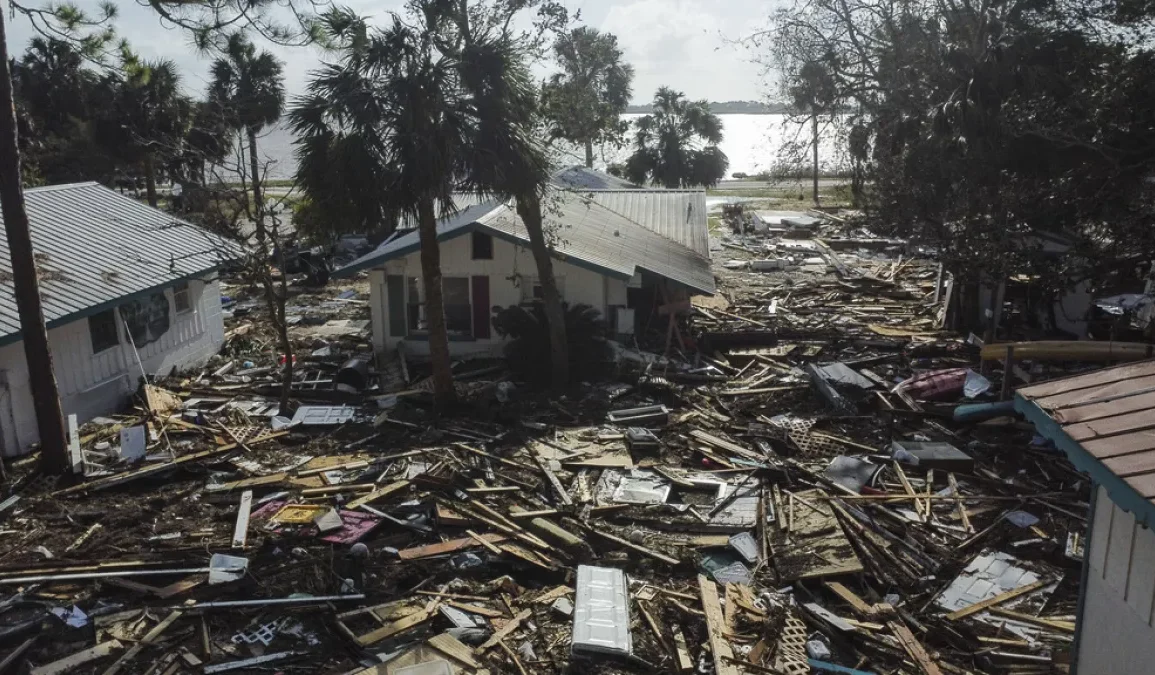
[
  {"x": 583, "y": 231},
  {"x": 94, "y": 246},
  {"x": 678, "y": 215}
]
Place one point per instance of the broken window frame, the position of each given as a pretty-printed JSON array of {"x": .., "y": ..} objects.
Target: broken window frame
[{"x": 102, "y": 325}]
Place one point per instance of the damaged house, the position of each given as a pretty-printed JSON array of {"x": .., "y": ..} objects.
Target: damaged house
[
  {"x": 633, "y": 254},
  {"x": 125, "y": 289}
]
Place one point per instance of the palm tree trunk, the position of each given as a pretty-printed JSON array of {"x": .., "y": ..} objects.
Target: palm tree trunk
[
  {"x": 150, "y": 177},
  {"x": 814, "y": 133},
  {"x": 529, "y": 208},
  {"x": 255, "y": 166},
  {"x": 589, "y": 154},
  {"x": 443, "y": 392},
  {"x": 26, "y": 287}
]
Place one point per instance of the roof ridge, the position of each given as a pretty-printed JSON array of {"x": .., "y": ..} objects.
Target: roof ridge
[{"x": 63, "y": 186}]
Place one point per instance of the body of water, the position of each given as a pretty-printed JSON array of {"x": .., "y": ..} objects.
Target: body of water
[{"x": 754, "y": 143}]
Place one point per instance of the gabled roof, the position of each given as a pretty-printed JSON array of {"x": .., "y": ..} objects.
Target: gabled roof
[
  {"x": 678, "y": 215},
  {"x": 95, "y": 248},
  {"x": 587, "y": 234},
  {"x": 1105, "y": 422}
]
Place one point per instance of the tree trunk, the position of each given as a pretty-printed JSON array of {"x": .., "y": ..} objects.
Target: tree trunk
[
  {"x": 529, "y": 208},
  {"x": 45, "y": 397},
  {"x": 589, "y": 154},
  {"x": 150, "y": 177},
  {"x": 443, "y": 391},
  {"x": 814, "y": 121},
  {"x": 255, "y": 165}
]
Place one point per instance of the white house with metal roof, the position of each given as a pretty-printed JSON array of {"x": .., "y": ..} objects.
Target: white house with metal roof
[
  {"x": 622, "y": 251},
  {"x": 125, "y": 289}
]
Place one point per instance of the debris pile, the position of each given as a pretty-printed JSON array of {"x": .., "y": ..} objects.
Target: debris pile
[{"x": 803, "y": 495}]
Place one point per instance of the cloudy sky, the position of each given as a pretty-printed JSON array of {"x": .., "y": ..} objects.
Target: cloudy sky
[{"x": 680, "y": 43}]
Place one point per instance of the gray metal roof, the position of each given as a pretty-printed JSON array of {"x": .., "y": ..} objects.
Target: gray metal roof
[
  {"x": 678, "y": 215},
  {"x": 582, "y": 178},
  {"x": 586, "y": 234},
  {"x": 95, "y": 247}
]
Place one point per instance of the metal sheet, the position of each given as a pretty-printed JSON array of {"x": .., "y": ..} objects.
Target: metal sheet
[
  {"x": 601, "y": 618},
  {"x": 95, "y": 246},
  {"x": 321, "y": 415}
]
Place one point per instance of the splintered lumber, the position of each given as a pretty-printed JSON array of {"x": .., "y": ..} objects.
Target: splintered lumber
[
  {"x": 69, "y": 663},
  {"x": 512, "y": 657},
  {"x": 500, "y": 635},
  {"x": 723, "y": 444},
  {"x": 378, "y": 494},
  {"x": 1053, "y": 624},
  {"x": 121, "y": 478},
  {"x": 962, "y": 509},
  {"x": 685, "y": 663},
  {"x": 997, "y": 600},
  {"x": 640, "y": 549},
  {"x": 401, "y": 625},
  {"x": 857, "y": 603},
  {"x": 558, "y": 488},
  {"x": 914, "y": 648},
  {"x": 145, "y": 641},
  {"x": 715, "y": 625},
  {"x": 444, "y": 547}
]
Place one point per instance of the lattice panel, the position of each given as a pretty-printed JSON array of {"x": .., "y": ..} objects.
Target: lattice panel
[{"x": 791, "y": 653}]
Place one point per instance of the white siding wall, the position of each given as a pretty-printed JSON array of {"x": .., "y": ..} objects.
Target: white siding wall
[
  {"x": 579, "y": 285},
  {"x": 1116, "y": 633},
  {"x": 98, "y": 384}
]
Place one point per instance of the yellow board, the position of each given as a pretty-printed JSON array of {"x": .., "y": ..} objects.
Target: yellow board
[{"x": 298, "y": 513}]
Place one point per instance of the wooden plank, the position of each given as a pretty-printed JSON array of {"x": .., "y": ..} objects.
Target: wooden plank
[
  {"x": 1131, "y": 465},
  {"x": 145, "y": 641},
  {"x": 1123, "y": 373},
  {"x": 914, "y": 648},
  {"x": 475, "y": 609},
  {"x": 1144, "y": 484},
  {"x": 241, "y": 530},
  {"x": 962, "y": 509},
  {"x": 997, "y": 600},
  {"x": 715, "y": 625},
  {"x": 723, "y": 444},
  {"x": 1140, "y": 441},
  {"x": 640, "y": 549},
  {"x": 682, "y": 652},
  {"x": 454, "y": 648},
  {"x": 400, "y": 626},
  {"x": 1112, "y": 426},
  {"x": 856, "y": 603},
  {"x": 1094, "y": 411},
  {"x": 481, "y": 540},
  {"x": 69, "y": 663},
  {"x": 444, "y": 547},
  {"x": 1054, "y": 624},
  {"x": 500, "y": 635},
  {"x": 1064, "y": 394}
]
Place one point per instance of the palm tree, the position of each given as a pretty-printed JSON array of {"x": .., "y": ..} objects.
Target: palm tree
[
  {"x": 409, "y": 116},
  {"x": 246, "y": 86},
  {"x": 146, "y": 117},
  {"x": 677, "y": 145}
]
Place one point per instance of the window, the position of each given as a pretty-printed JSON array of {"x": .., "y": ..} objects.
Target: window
[
  {"x": 458, "y": 308},
  {"x": 531, "y": 289},
  {"x": 102, "y": 329},
  {"x": 482, "y": 246},
  {"x": 181, "y": 298}
]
